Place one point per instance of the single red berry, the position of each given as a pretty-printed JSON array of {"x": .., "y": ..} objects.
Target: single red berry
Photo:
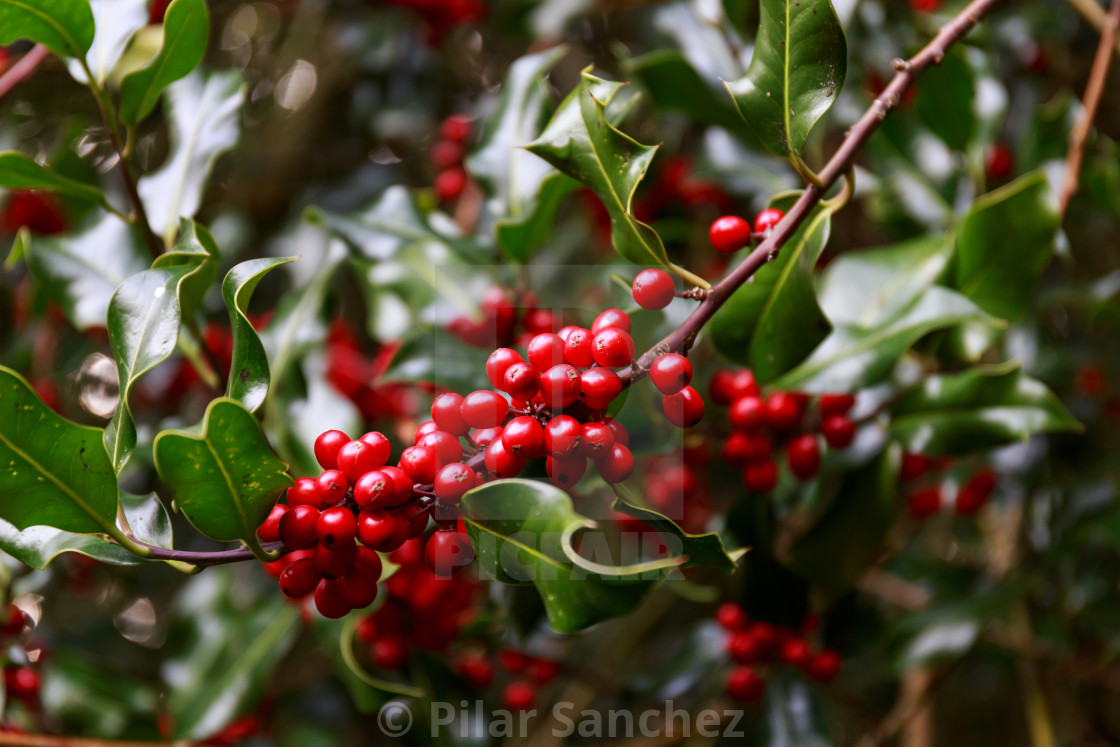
[
  {"x": 577, "y": 348},
  {"x": 761, "y": 477},
  {"x": 379, "y": 443},
  {"x": 743, "y": 647},
  {"x": 22, "y": 683},
  {"x": 448, "y": 414},
  {"x": 783, "y": 411},
  {"x": 269, "y": 530},
  {"x": 653, "y": 289},
  {"x": 445, "y": 154},
  {"x": 332, "y": 486},
  {"x": 597, "y": 440},
  {"x": 804, "y": 456},
  {"x": 563, "y": 332},
  {"x": 483, "y": 409},
  {"x": 838, "y": 431},
  {"x": 824, "y": 666},
  {"x": 685, "y": 408},
  {"x": 543, "y": 671},
  {"x": 765, "y": 221},
  {"x": 611, "y": 318},
  {"x": 560, "y": 386},
  {"x": 524, "y": 437},
  {"x": 326, "y": 448},
  {"x": 299, "y": 579},
  {"x": 974, "y": 494},
  {"x": 369, "y": 560},
  {"x": 671, "y": 373},
  {"x": 486, "y": 436},
  {"x": 924, "y": 503},
  {"x": 747, "y": 413},
  {"x": 428, "y": 426},
  {"x": 522, "y": 381},
  {"x": 449, "y": 184},
  {"x": 375, "y": 490},
  {"x": 617, "y": 465},
  {"x": 306, "y": 491},
  {"x": 336, "y": 526},
  {"x": 621, "y": 435},
  {"x": 744, "y": 685},
  {"x": 390, "y": 653},
  {"x": 914, "y": 466},
  {"x": 519, "y": 696},
  {"x": 381, "y": 531},
  {"x": 402, "y": 494},
  {"x": 357, "y": 458},
  {"x": 729, "y": 234},
  {"x": 835, "y": 404},
  {"x": 545, "y": 351},
  {"x": 565, "y": 472},
  {"x": 332, "y": 563},
  {"x": 476, "y": 669},
  {"x": 497, "y": 364},
  {"x": 420, "y": 463},
  {"x": 599, "y": 387},
  {"x": 453, "y": 482},
  {"x": 795, "y": 652},
  {"x": 999, "y": 162},
  {"x": 727, "y": 386},
  {"x": 328, "y": 601},
  {"x": 563, "y": 436},
  {"x": 16, "y": 621},
  {"x": 502, "y": 463},
  {"x": 731, "y": 616},
  {"x": 612, "y": 348},
  {"x": 447, "y": 447},
  {"x": 513, "y": 661},
  {"x": 445, "y": 551},
  {"x": 456, "y": 128},
  {"x": 357, "y": 587},
  {"x": 297, "y": 527}
]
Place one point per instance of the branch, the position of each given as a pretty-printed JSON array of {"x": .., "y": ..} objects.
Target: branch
[
  {"x": 1092, "y": 99},
  {"x": 22, "y": 69},
  {"x": 51, "y": 740},
  {"x": 1096, "y": 16},
  {"x": 906, "y": 71}
]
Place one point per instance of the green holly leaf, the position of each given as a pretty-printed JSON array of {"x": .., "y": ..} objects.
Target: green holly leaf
[
  {"x": 186, "y": 30},
  {"x": 851, "y": 358},
  {"x": 17, "y": 171},
  {"x": 115, "y": 22},
  {"x": 204, "y": 114},
  {"x": 144, "y": 316},
  {"x": 248, "y": 369},
  {"x": 1004, "y": 244},
  {"x": 196, "y": 248},
  {"x": 797, "y": 70},
  {"x": 222, "y": 472},
  {"x": 57, "y": 473},
  {"x": 63, "y": 26},
  {"x": 675, "y": 85},
  {"x": 519, "y": 529},
  {"x": 977, "y": 410},
  {"x": 774, "y": 322},
  {"x": 944, "y": 100}
]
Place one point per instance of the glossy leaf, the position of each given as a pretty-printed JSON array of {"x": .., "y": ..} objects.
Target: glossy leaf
[
  {"x": 774, "y": 322},
  {"x": 248, "y": 370},
  {"x": 204, "y": 112},
  {"x": 518, "y": 529},
  {"x": 56, "y": 473},
  {"x": 977, "y": 410},
  {"x": 523, "y": 190},
  {"x": 63, "y": 26},
  {"x": 1004, "y": 244},
  {"x": 80, "y": 272},
  {"x": 115, "y": 23},
  {"x": 194, "y": 247},
  {"x": 17, "y": 171},
  {"x": 186, "y": 29},
  {"x": 851, "y": 358},
  {"x": 582, "y": 141},
  {"x": 222, "y": 472},
  {"x": 797, "y": 70},
  {"x": 143, "y": 325}
]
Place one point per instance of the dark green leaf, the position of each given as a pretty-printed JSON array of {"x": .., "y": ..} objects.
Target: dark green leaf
[
  {"x": 519, "y": 529},
  {"x": 1004, "y": 244},
  {"x": 676, "y": 85},
  {"x": 774, "y": 322},
  {"x": 115, "y": 22},
  {"x": 979, "y": 409},
  {"x": 17, "y": 171},
  {"x": 186, "y": 29},
  {"x": 195, "y": 247},
  {"x": 248, "y": 370},
  {"x": 944, "y": 100},
  {"x": 63, "y": 26},
  {"x": 799, "y": 63},
  {"x": 57, "y": 473},
  {"x": 222, "y": 472}
]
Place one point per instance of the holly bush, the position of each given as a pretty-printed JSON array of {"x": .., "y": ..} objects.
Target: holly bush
[{"x": 449, "y": 371}]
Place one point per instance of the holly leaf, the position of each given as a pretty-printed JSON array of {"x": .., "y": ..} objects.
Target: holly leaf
[
  {"x": 944, "y": 100},
  {"x": 196, "y": 248},
  {"x": 204, "y": 114},
  {"x": 248, "y": 370},
  {"x": 1004, "y": 244},
  {"x": 851, "y": 358},
  {"x": 17, "y": 171},
  {"x": 222, "y": 472},
  {"x": 977, "y": 410},
  {"x": 63, "y": 26},
  {"x": 57, "y": 473},
  {"x": 797, "y": 70},
  {"x": 115, "y": 21},
  {"x": 675, "y": 85},
  {"x": 774, "y": 322},
  {"x": 519, "y": 529},
  {"x": 186, "y": 30}
]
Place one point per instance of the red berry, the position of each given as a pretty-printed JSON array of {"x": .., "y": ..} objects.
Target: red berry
[
  {"x": 729, "y": 234},
  {"x": 670, "y": 373},
  {"x": 761, "y": 477},
  {"x": 524, "y": 437},
  {"x": 357, "y": 458},
  {"x": 448, "y": 415},
  {"x": 22, "y": 683},
  {"x": 765, "y": 221},
  {"x": 522, "y": 381},
  {"x": 332, "y": 486},
  {"x": 453, "y": 482},
  {"x": 428, "y": 426},
  {"x": 545, "y": 351},
  {"x": 513, "y": 661},
  {"x": 519, "y": 696},
  {"x": 835, "y": 404},
  {"x": 502, "y": 463},
  {"x": 924, "y": 502},
  {"x": 447, "y": 447},
  {"x": 804, "y": 456},
  {"x": 403, "y": 492},
  {"x": 445, "y": 154},
  {"x": 743, "y": 647},
  {"x": 16, "y": 621},
  {"x": 379, "y": 444},
  {"x": 449, "y": 184},
  {"x": 744, "y": 685},
  {"x": 326, "y": 448},
  {"x": 456, "y": 128},
  {"x": 297, "y": 527},
  {"x": 795, "y": 652},
  {"x": 563, "y": 332},
  {"x": 336, "y": 527},
  {"x": 375, "y": 490},
  {"x": 685, "y": 408},
  {"x": 306, "y": 491},
  {"x": 445, "y": 551},
  {"x": 731, "y": 616},
  {"x": 565, "y": 472},
  {"x": 974, "y": 494},
  {"x": 269, "y": 530},
  {"x": 475, "y": 669},
  {"x": 299, "y": 579},
  {"x": 599, "y": 387},
  {"x": 824, "y": 666},
  {"x": 999, "y": 162},
  {"x": 728, "y": 386},
  {"x": 543, "y": 671},
  {"x": 578, "y": 349},
  {"x": 838, "y": 431},
  {"x": 612, "y": 348},
  {"x": 563, "y": 436},
  {"x": 420, "y": 463},
  {"x": 747, "y": 413},
  {"x": 914, "y": 466},
  {"x": 390, "y": 653},
  {"x": 328, "y": 601},
  {"x": 333, "y": 563},
  {"x": 357, "y": 587},
  {"x": 560, "y": 386},
  {"x": 486, "y": 436},
  {"x": 617, "y": 465},
  {"x": 381, "y": 531},
  {"x": 497, "y": 364},
  {"x": 621, "y": 435},
  {"x": 369, "y": 560},
  {"x": 653, "y": 289},
  {"x": 783, "y": 411},
  {"x": 611, "y": 318},
  {"x": 483, "y": 409},
  {"x": 597, "y": 440}
]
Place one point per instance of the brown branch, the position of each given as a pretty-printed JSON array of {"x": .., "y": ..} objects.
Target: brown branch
[
  {"x": 52, "y": 740},
  {"x": 841, "y": 161},
  {"x": 1092, "y": 99},
  {"x": 22, "y": 69},
  {"x": 1092, "y": 12}
]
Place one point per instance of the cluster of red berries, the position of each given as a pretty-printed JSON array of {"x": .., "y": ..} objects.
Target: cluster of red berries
[
  {"x": 529, "y": 673},
  {"x": 421, "y": 608},
  {"x": 930, "y": 499},
  {"x": 447, "y": 157},
  {"x": 21, "y": 682},
  {"x": 505, "y": 321},
  {"x": 754, "y": 645},
  {"x": 763, "y": 425}
]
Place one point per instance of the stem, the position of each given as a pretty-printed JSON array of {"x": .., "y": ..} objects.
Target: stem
[
  {"x": 1092, "y": 99},
  {"x": 690, "y": 278},
  {"x": 22, "y": 69},
  {"x": 906, "y": 71},
  {"x": 1096, "y": 16},
  {"x": 804, "y": 171}
]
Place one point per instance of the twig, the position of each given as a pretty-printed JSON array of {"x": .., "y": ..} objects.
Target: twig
[
  {"x": 51, "y": 740},
  {"x": 22, "y": 69},
  {"x": 1092, "y": 12},
  {"x": 838, "y": 165},
  {"x": 1092, "y": 99}
]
